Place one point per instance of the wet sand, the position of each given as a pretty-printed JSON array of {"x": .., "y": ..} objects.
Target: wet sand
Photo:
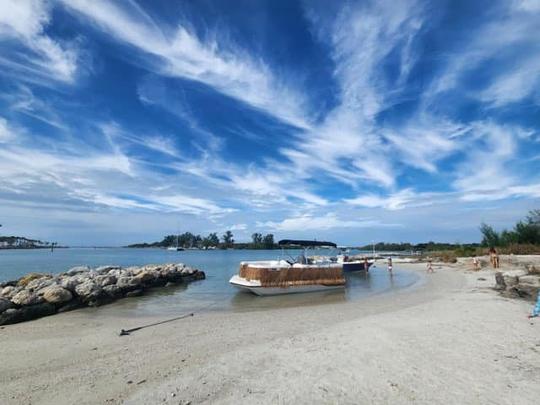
[{"x": 448, "y": 339}]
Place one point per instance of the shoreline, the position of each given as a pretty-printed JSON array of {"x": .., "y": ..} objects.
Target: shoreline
[{"x": 450, "y": 339}]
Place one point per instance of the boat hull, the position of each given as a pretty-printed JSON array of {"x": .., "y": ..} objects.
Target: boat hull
[
  {"x": 349, "y": 267},
  {"x": 256, "y": 288}
]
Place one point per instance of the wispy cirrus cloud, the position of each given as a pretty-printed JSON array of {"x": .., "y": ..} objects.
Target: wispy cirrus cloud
[
  {"x": 312, "y": 222},
  {"x": 227, "y": 69},
  {"x": 22, "y": 26}
]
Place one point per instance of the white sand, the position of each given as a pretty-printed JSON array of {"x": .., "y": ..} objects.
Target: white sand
[{"x": 450, "y": 340}]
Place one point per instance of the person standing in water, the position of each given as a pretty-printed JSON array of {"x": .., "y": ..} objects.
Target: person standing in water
[
  {"x": 390, "y": 265},
  {"x": 366, "y": 264}
]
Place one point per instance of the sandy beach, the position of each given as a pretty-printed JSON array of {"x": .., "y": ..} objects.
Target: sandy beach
[{"x": 448, "y": 339}]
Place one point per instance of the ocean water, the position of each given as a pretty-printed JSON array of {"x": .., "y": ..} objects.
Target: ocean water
[{"x": 213, "y": 294}]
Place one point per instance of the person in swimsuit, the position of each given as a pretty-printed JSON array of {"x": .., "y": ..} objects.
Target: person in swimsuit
[
  {"x": 390, "y": 265},
  {"x": 476, "y": 263},
  {"x": 430, "y": 266}
]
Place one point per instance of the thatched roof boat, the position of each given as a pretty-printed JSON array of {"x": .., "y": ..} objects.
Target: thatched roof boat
[{"x": 286, "y": 277}]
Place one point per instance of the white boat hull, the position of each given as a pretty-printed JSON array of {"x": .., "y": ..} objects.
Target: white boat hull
[{"x": 255, "y": 287}]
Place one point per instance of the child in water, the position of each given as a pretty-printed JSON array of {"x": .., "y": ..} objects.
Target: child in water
[{"x": 390, "y": 265}]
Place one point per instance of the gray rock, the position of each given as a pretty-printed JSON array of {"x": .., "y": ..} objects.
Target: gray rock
[
  {"x": 56, "y": 294},
  {"x": 39, "y": 283},
  {"x": 145, "y": 276},
  {"x": 530, "y": 280},
  {"x": 88, "y": 290},
  {"x": 9, "y": 291},
  {"x": 10, "y": 316},
  {"x": 105, "y": 269},
  {"x": 112, "y": 291},
  {"x": 70, "y": 306},
  {"x": 26, "y": 313},
  {"x": 78, "y": 270},
  {"x": 511, "y": 278},
  {"x": 26, "y": 297},
  {"x": 127, "y": 283},
  {"x": 187, "y": 271},
  {"x": 5, "y": 304},
  {"x": 70, "y": 283},
  {"x": 134, "y": 293},
  {"x": 105, "y": 280}
]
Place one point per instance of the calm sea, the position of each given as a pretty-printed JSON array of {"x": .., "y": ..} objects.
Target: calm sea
[{"x": 214, "y": 293}]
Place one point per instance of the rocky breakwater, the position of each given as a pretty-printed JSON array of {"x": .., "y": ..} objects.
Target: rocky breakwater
[
  {"x": 523, "y": 282},
  {"x": 37, "y": 295}
]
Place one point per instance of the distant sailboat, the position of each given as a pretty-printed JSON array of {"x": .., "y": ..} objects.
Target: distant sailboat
[{"x": 176, "y": 248}]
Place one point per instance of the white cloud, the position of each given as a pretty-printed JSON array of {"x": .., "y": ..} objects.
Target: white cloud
[
  {"x": 24, "y": 22},
  {"x": 308, "y": 222},
  {"x": 227, "y": 69},
  {"x": 6, "y": 132},
  {"x": 484, "y": 166},
  {"x": 347, "y": 145},
  {"x": 396, "y": 201},
  {"x": 515, "y": 27}
]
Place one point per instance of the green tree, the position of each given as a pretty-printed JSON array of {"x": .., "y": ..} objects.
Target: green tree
[
  {"x": 491, "y": 237},
  {"x": 227, "y": 239},
  {"x": 257, "y": 240},
  {"x": 268, "y": 241}
]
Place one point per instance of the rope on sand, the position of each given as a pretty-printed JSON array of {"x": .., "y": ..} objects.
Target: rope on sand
[{"x": 125, "y": 332}]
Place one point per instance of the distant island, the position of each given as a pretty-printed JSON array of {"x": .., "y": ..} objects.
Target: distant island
[
  {"x": 188, "y": 240},
  {"x": 19, "y": 242}
]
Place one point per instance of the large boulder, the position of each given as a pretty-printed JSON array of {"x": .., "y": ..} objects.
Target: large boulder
[
  {"x": 78, "y": 270},
  {"x": 145, "y": 277},
  {"x": 5, "y": 304},
  {"x": 127, "y": 283},
  {"x": 511, "y": 278},
  {"x": 39, "y": 283},
  {"x": 105, "y": 280},
  {"x": 23, "y": 281},
  {"x": 71, "y": 282},
  {"x": 56, "y": 294},
  {"x": 26, "y": 297},
  {"x": 9, "y": 291},
  {"x": 88, "y": 290},
  {"x": 113, "y": 291},
  {"x": 26, "y": 313},
  {"x": 105, "y": 269}
]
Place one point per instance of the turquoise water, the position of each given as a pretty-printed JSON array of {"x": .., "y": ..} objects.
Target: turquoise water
[{"x": 214, "y": 293}]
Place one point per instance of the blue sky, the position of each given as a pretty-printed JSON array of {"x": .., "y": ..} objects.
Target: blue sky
[{"x": 122, "y": 121}]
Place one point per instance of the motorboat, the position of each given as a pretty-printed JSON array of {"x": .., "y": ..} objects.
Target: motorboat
[
  {"x": 354, "y": 263},
  {"x": 287, "y": 276}
]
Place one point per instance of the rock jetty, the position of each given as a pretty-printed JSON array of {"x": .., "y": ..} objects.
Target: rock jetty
[
  {"x": 36, "y": 295},
  {"x": 524, "y": 283}
]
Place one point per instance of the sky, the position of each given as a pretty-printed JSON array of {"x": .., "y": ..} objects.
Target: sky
[{"x": 354, "y": 121}]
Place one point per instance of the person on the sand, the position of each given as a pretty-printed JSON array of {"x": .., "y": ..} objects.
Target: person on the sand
[
  {"x": 496, "y": 258},
  {"x": 430, "y": 266},
  {"x": 536, "y": 309},
  {"x": 390, "y": 265},
  {"x": 476, "y": 263}
]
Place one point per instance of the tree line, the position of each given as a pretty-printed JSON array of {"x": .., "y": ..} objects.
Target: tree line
[
  {"x": 525, "y": 232},
  {"x": 212, "y": 241}
]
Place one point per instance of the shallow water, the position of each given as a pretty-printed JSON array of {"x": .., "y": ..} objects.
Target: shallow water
[{"x": 212, "y": 294}]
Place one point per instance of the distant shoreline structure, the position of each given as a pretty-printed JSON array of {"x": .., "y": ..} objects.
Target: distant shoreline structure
[{"x": 20, "y": 242}]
